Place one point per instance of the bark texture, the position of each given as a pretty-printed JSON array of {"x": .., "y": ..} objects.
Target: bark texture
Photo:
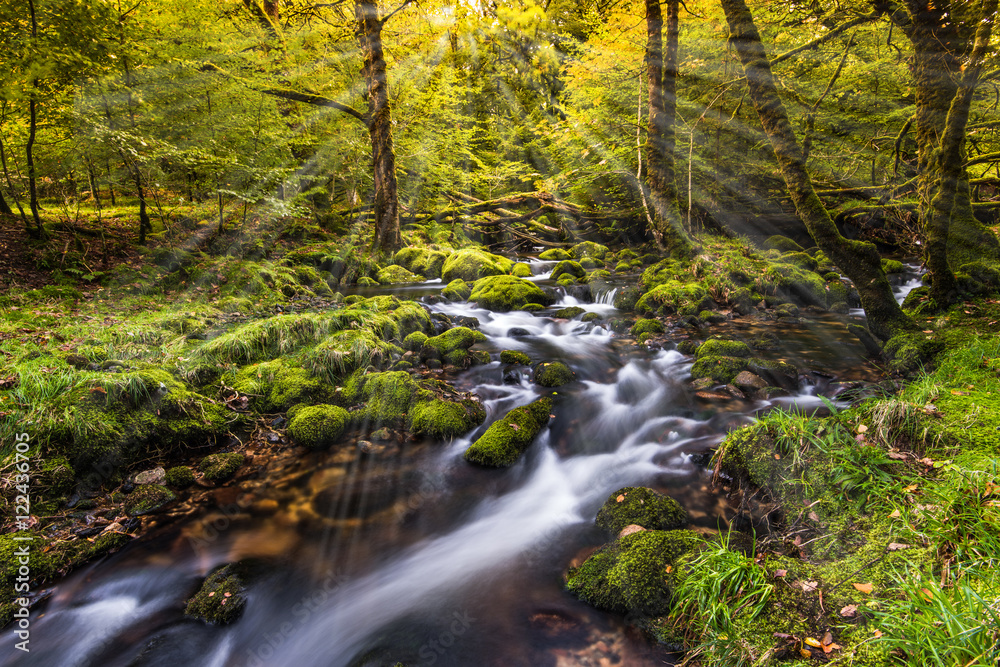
[{"x": 860, "y": 261}]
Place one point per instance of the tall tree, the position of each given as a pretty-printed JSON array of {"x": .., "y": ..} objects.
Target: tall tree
[{"x": 859, "y": 261}]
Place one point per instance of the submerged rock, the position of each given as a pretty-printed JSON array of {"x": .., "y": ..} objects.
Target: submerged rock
[
  {"x": 452, "y": 346},
  {"x": 154, "y": 476},
  {"x": 221, "y": 598},
  {"x": 220, "y": 467},
  {"x": 505, "y": 440}
]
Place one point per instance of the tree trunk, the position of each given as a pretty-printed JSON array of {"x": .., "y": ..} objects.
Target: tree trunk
[
  {"x": 10, "y": 184},
  {"x": 949, "y": 167},
  {"x": 661, "y": 69},
  {"x": 369, "y": 34},
  {"x": 860, "y": 261},
  {"x": 4, "y": 206},
  {"x": 39, "y": 231}
]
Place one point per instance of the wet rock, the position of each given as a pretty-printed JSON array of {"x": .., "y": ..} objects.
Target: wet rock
[
  {"x": 148, "y": 499},
  {"x": 153, "y": 476},
  {"x": 505, "y": 293},
  {"x": 735, "y": 392},
  {"x": 512, "y": 376},
  {"x": 642, "y": 507},
  {"x": 179, "y": 477},
  {"x": 517, "y": 332},
  {"x": 569, "y": 312},
  {"x": 222, "y": 596},
  {"x": 629, "y": 529},
  {"x": 220, "y": 467},
  {"x": 514, "y": 357},
  {"x": 553, "y": 374},
  {"x": 369, "y": 448},
  {"x": 506, "y": 439},
  {"x": 318, "y": 426}
]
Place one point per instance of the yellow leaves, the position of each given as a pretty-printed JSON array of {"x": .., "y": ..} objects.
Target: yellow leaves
[
  {"x": 865, "y": 588},
  {"x": 815, "y": 643},
  {"x": 620, "y": 498},
  {"x": 910, "y": 488}
]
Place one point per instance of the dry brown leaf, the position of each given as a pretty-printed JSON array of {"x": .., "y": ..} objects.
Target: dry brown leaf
[
  {"x": 910, "y": 489},
  {"x": 865, "y": 588},
  {"x": 805, "y": 653},
  {"x": 827, "y": 639},
  {"x": 830, "y": 647},
  {"x": 815, "y": 643},
  {"x": 850, "y": 611},
  {"x": 780, "y": 573},
  {"x": 878, "y": 633},
  {"x": 896, "y": 456},
  {"x": 895, "y": 514},
  {"x": 897, "y": 546},
  {"x": 862, "y": 428},
  {"x": 809, "y": 586},
  {"x": 621, "y": 497},
  {"x": 814, "y": 517}
]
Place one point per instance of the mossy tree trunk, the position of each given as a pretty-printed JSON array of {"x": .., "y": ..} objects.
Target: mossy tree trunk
[
  {"x": 369, "y": 34},
  {"x": 860, "y": 261},
  {"x": 949, "y": 165},
  {"x": 661, "y": 68}
]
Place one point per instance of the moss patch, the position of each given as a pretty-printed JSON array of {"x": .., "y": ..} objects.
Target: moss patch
[
  {"x": 506, "y": 293},
  {"x": 147, "y": 499},
  {"x": 640, "y": 506},
  {"x": 471, "y": 264},
  {"x": 514, "y": 357},
  {"x": 446, "y": 419},
  {"x": 220, "y": 467},
  {"x": 554, "y": 374},
  {"x": 505, "y": 440},
  {"x": 318, "y": 426},
  {"x": 221, "y": 598}
]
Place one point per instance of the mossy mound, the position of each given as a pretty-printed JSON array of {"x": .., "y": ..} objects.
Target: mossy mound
[
  {"x": 672, "y": 296},
  {"x": 220, "y": 467},
  {"x": 147, "y": 499},
  {"x": 727, "y": 348},
  {"x": 397, "y": 274},
  {"x": 748, "y": 456},
  {"x": 278, "y": 385},
  {"x": 421, "y": 261},
  {"x": 415, "y": 341},
  {"x": 452, "y": 346},
  {"x": 221, "y": 598},
  {"x": 532, "y": 307},
  {"x": 642, "y": 507},
  {"x": 723, "y": 369},
  {"x": 343, "y": 352},
  {"x": 554, "y": 374},
  {"x": 472, "y": 264},
  {"x": 569, "y": 312},
  {"x": 645, "y": 326},
  {"x": 385, "y": 398},
  {"x": 892, "y": 266},
  {"x": 505, "y": 293},
  {"x": 318, "y": 426},
  {"x": 457, "y": 290},
  {"x": 589, "y": 249},
  {"x": 505, "y": 440},
  {"x": 179, "y": 477},
  {"x": 555, "y": 254},
  {"x": 626, "y": 298},
  {"x": 633, "y": 575},
  {"x": 801, "y": 260},
  {"x": 521, "y": 270},
  {"x": 446, "y": 419},
  {"x": 569, "y": 268},
  {"x": 782, "y": 244},
  {"x": 514, "y": 357}
]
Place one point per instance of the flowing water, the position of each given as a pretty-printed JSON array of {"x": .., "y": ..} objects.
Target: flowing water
[{"x": 412, "y": 555}]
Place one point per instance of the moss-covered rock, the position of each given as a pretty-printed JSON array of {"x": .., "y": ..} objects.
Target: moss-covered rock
[
  {"x": 554, "y": 374},
  {"x": 623, "y": 267},
  {"x": 446, "y": 419},
  {"x": 457, "y": 290},
  {"x": 626, "y": 298},
  {"x": 782, "y": 244},
  {"x": 728, "y": 348},
  {"x": 645, "y": 326},
  {"x": 633, "y": 575},
  {"x": 452, "y": 346},
  {"x": 384, "y": 398},
  {"x": 747, "y": 456},
  {"x": 719, "y": 368},
  {"x": 642, "y": 507},
  {"x": 555, "y": 254},
  {"x": 276, "y": 385},
  {"x": 506, "y": 439},
  {"x": 472, "y": 264},
  {"x": 318, "y": 426},
  {"x": 415, "y": 341},
  {"x": 179, "y": 477},
  {"x": 801, "y": 260},
  {"x": 147, "y": 499},
  {"x": 569, "y": 268},
  {"x": 397, "y": 274},
  {"x": 56, "y": 476},
  {"x": 671, "y": 296},
  {"x": 521, "y": 270},
  {"x": 220, "y": 467},
  {"x": 422, "y": 261},
  {"x": 532, "y": 307},
  {"x": 591, "y": 317},
  {"x": 221, "y": 598},
  {"x": 505, "y": 293},
  {"x": 343, "y": 352},
  {"x": 589, "y": 249},
  {"x": 514, "y": 357},
  {"x": 892, "y": 266},
  {"x": 365, "y": 281},
  {"x": 569, "y": 312}
]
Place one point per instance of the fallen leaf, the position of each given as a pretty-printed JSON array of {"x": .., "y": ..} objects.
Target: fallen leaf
[
  {"x": 809, "y": 586},
  {"x": 896, "y": 456},
  {"x": 895, "y": 514},
  {"x": 814, "y": 517},
  {"x": 780, "y": 573},
  {"x": 830, "y": 647},
  {"x": 777, "y": 457},
  {"x": 815, "y": 643},
  {"x": 927, "y": 594},
  {"x": 878, "y": 633},
  {"x": 910, "y": 489},
  {"x": 670, "y": 568},
  {"x": 805, "y": 653},
  {"x": 862, "y": 428},
  {"x": 620, "y": 497},
  {"x": 866, "y": 588},
  {"x": 515, "y": 427},
  {"x": 850, "y": 611},
  {"x": 827, "y": 639},
  {"x": 897, "y": 546}
]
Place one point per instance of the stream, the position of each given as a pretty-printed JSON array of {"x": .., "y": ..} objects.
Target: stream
[{"x": 413, "y": 555}]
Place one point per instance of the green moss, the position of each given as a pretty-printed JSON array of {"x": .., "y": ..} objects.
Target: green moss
[
  {"x": 622, "y": 267},
  {"x": 633, "y": 575},
  {"x": 457, "y": 290},
  {"x": 642, "y": 507},
  {"x": 221, "y": 598},
  {"x": 728, "y": 348},
  {"x": 471, "y": 264},
  {"x": 532, "y": 307},
  {"x": 179, "y": 477},
  {"x": 892, "y": 266},
  {"x": 568, "y": 268},
  {"x": 626, "y": 298},
  {"x": 589, "y": 249},
  {"x": 747, "y": 455},
  {"x": 415, "y": 341},
  {"x": 711, "y": 317},
  {"x": 591, "y": 317},
  {"x": 421, "y": 261},
  {"x": 343, "y": 352},
  {"x": 365, "y": 281},
  {"x": 671, "y": 296},
  {"x": 782, "y": 244},
  {"x": 147, "y": 499},
  {"x": 553, "y": 374},
  {"x": 569, "y": 312},
  {"x": 385, "y": 398},
  {"x": 446, "y": 419},
  {"x": 719, "y": 368},
  {"x": 220, "y": 467},
  {"x": 506, "y": 439},
  {"x": 521, "y": 270},
  {"x": 506, "y": 293},
  {"x": 514, "y": 357},
  {"x": 555, "y": 254},
  {"x": 452, "y": 345},
  {"x": 801, "y": 260},
  {"x": 397, "y": 274},
  {"x": 279, "y": 385},
  {"x": 318, "y": 426},
  {"x": 645, "y": 326},
  {"x": 56, "y": 476}
]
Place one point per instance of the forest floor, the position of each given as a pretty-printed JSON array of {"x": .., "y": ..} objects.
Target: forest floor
[{"x": 876, "y": 527}]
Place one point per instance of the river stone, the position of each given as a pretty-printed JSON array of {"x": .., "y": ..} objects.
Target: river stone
[
  {"x": 749, "y": 382},
  {"x": 640, "y": 506},
  {"x": 147, "y": 499},
  {"x": 154, "y": 476},
  {"x": 629, "y": 529}
]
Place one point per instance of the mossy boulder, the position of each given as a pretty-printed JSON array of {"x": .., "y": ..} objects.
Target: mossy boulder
[
  {"x": 472, "y": 264},
  {"x": 446, "y": 419},
  {"x": 637, "y": 505},
  {"x": 505, "y": 293},
  {"x": 801, "y": 260},
  {"x": 179, "y": 477},
  {"x": 569, "y": 268},
  {"x": 220, "y": 467},
  {"x": 457, "y": 290},
  {"x": 452, "y": 346},
  {"x": 514, "y": 357},
  {"x": 221, "y": 598},
  {"x": 318, "y": 426},
  {"x": 554, "y": 374},
  {"x": 365, "y": 281},
  {"x": 422, "y": 261},
  {"x": 672, "y": 296},
  {"x": 569, "y": 312},
  {"x": 532, "y": 307},
  {"x": 278, "y": 386},
  {"x": 645, "y": 326},
  {"x": 782, "y": 244},
  {"x": 589, "y": 249},
  {"x": 555, "y": 254},
  {"x": 397, "y": 274},
  {"x": 633, "y": 575},
  {"x": 56, "y": 476},
  {"x": 728, "y": 348},
  {"x": 892, "y": 266},
  {"x": 415, "y": 341},
  {"x": 506, "y": 439},
  {"x": 627, "y": 297},
  {"x": 521, "y": 270},
  {"x": 718, "y": 368},
  {"x": 147, "y": 499},
  {"x": 384, "y": 398},
  {"x": 623, "y": 267},
  {"x": 747, "y": 456}
]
